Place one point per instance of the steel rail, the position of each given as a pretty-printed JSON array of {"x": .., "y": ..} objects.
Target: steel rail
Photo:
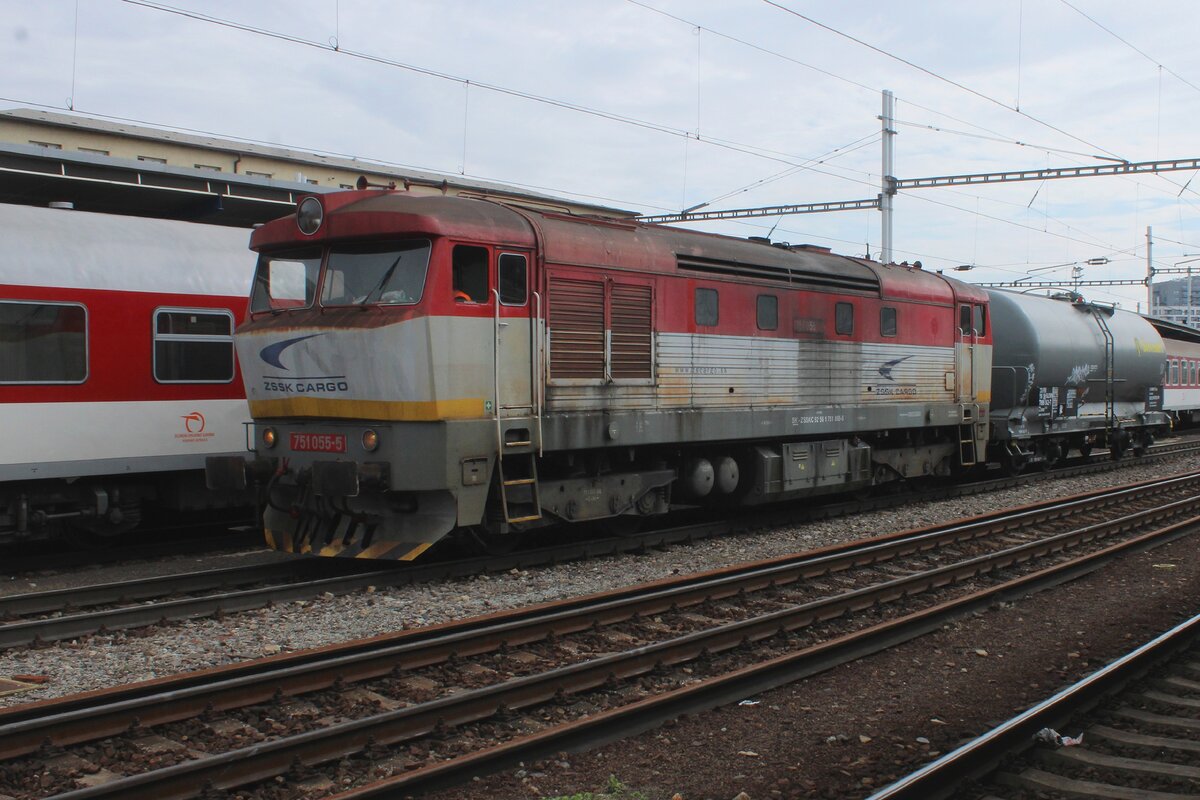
[
  {"x": 106, "y": 713},
  {"x": 647, "y": 714},
  {"x": 236, "y": 768},
  {"x": 982, "y": 754},
  {"x": 81, "y": 597},
  {"x": 68, "y": 626}
]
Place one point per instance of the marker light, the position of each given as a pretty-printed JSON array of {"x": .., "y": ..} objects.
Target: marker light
[
  {"x": 268, "y": 437},
  {"x": 309, "y": 215},
  {"x": 370, "y": 441}
]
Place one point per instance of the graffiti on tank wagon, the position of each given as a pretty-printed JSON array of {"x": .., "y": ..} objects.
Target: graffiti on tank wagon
[{"x": 1079, "y": 373}]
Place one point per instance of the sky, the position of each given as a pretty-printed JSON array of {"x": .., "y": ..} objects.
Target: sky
[{"x": 656, "y": 106}]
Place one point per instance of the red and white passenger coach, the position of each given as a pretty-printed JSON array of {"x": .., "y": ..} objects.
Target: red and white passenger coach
[{"x": 117, "y": 368}]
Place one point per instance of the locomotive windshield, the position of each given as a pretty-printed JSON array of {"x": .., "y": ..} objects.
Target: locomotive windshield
[
  {"x": 384, "y": 272},
  {"x": 285, "y": 280}
]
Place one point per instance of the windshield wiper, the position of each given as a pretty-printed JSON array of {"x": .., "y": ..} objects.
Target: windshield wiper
[{"x": 387, "y": 276}]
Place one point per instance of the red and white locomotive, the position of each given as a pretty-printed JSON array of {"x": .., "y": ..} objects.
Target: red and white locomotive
[
  {"x": 117, "y": 369},
  {"x": 421, "y": 366}
]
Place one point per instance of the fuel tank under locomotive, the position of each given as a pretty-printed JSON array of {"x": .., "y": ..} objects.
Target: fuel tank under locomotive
[{"x": 1050, "y": 386}]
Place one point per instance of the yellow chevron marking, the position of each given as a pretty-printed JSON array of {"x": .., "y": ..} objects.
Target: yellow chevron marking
[
  {"x": 378, "y": 550},
  {"x": 405, "y": 411},
  {"x": 416, "y": 551}
]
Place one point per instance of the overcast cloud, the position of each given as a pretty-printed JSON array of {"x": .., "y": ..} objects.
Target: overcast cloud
[{"x": 763, "y": 90}]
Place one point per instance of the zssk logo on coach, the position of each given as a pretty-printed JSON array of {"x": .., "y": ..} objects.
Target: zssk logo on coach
[{"x": 193, "y": 428}]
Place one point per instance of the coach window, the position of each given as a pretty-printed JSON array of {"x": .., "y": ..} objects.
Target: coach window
[
  {"x": 768, "y": 312},
  {"x": 1174, "y": 373},
  {"x": 470, "y": 270},
  {"x": 843, "y": 318},
  {"x": 887, "y": 321},
  {"x": 512, "y": 275},
  {"x": 193, "y": 345},
  {"x": 707, "y": 307},
  {"x": 43, "y": 343}
]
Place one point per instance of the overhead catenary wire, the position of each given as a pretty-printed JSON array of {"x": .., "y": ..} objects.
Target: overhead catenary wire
[
  {"x": 1130, "y": 45},
  {"x": 671, "y": 130},
  {"x": 335, "y": 44},
  {"x": 940, "y": 77}
]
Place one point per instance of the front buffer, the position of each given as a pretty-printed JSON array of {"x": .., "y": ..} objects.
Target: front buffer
[{"x": 373, "y": 490}]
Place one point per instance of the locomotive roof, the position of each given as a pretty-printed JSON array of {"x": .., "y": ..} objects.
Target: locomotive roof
[{"x": 614, "y": 244}]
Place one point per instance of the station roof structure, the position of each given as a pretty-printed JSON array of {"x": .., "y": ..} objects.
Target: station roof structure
[{"x": 114, "y": 167}]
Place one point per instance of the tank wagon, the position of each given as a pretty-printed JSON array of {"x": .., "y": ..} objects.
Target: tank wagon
[
  {"x": 117, "y": 368},
  {"x": 421, "y": 366},
  {"x": 1070, "y": 375}
]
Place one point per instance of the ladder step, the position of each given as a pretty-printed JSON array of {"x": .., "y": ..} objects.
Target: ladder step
[
  {"x": 530, "y": 518},
  {"x": 520, "y": 482},
  {"x": 517, "y": 444}
]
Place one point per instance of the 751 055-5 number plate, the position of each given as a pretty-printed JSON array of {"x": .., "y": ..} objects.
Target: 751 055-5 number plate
[{"x": 318, "y": 442}]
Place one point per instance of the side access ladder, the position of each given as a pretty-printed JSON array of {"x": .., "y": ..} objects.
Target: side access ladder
[
  {"x": 1110, "y": 415},
  {"x": 519, "y": 487},
  {"x": 968, "y": 454}
]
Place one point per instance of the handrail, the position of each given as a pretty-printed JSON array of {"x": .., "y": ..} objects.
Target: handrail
[
  {"x": 537, "y": 385},
  {"x": 496, "y": 375}
]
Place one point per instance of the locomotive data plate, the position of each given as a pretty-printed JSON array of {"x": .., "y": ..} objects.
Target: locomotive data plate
[{"x": 318, "y": 442}]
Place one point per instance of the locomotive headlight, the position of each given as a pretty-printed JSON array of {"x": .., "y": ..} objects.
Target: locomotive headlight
[
  {"x": 370, "y": 441},
  {"x": 309, "y": 215},
  {"x": 268, "y": 437}
]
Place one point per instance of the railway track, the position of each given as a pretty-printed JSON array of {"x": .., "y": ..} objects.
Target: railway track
[
  {"x": 405, "y": 713},
  {"x": 44, "y": 617},
  {"x": 1136, "y": 719}
]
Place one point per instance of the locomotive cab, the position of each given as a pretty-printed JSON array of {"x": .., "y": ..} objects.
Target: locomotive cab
[{"x": 385, "y": 356}]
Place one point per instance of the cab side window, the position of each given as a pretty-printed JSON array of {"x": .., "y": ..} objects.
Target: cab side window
[
  {"x": 469, "y": 266},
  {"x": 511, "y": 275}
]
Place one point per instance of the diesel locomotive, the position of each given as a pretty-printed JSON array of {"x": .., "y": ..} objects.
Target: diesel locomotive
[{"x": 419, "y": 366}]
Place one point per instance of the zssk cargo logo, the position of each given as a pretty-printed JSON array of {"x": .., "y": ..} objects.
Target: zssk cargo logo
[
  {"x": 898, "y": 389},
  {"x": 272, "y": 355}
]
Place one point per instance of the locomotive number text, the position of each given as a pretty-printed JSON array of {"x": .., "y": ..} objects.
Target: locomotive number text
[{"x": 318, "y": 442}]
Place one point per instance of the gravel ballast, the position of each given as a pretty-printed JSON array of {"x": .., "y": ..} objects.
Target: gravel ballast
[{"x": 121, "y": 657}]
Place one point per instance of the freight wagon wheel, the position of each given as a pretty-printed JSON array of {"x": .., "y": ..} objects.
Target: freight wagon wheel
[{"x": 1013, "y": 463}]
